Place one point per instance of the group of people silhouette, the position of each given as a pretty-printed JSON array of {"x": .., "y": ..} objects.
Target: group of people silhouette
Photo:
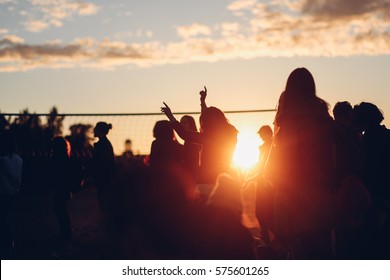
[{"x": 322, "y": 186}]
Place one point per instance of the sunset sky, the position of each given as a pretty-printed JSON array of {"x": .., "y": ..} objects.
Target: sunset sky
[{"x": 129, "y": 56}]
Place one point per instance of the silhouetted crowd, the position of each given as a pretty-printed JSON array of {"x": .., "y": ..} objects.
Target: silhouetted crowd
[{"x": 321, "y": 187}]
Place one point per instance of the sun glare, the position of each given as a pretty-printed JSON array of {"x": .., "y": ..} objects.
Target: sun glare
[{"x": 246, "y": 154}]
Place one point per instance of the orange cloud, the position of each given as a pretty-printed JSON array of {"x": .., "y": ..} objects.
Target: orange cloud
[
  {"x": 280, "y": 28},
  {"x": 343, "y": 9}
]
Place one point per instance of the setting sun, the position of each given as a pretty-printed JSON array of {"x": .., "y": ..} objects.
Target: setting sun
[{"x": 246, "y": 154}]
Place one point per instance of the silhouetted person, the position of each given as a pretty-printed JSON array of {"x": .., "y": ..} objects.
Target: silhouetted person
[
  {"x": 127, "y": 160},
  {"x": 10, "y": 179},
  {"x": 300, "y": 169},
  {"x": 376, "y": 139},
  {"x": 264, "y": 192},
  {"x": 61, "y": 180},
  {"x": 103, "y": 164},
  {"x": 218, "y": 139},
  {"x": 128, "y": 153},
  {"x": 352, "y": 200},
  {"x": 343, "y": 113},
  {"x": 165, "y": 149},
  {"x": 266, "y": 134},
  {"x": 349, "y": 146},
  {"x": 191, "y": 151}
]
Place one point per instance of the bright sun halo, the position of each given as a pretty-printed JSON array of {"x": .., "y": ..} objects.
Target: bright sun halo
[{"x": 246, "y": 154}]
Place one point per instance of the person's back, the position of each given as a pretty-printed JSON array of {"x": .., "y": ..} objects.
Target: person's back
[
  {"x": 217, "y": 153},
  {"x": 377, "y": 145},
  {"x": 303, "y": 163},
  {"x": 191, "y": 155},
  {"x": 103, "y": 160},
  {"x": 352, "y": 201},
  {"x": 348, "y": 144},
  {"x": 191, "y": 151},
  {"x": 300, "y": 168},
  {"x": 376, "y": 140},
  {"x": 165, "y": 150},
  {"x": 103, "y": 157}
]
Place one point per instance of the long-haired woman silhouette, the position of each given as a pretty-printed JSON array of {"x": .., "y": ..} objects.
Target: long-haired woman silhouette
[
  {"x": 103, "y": 164},
  {"x": 300, "y": 168}
]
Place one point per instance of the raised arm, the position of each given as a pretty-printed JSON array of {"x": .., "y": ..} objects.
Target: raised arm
[
  {"x": 184, "y": 134},
  {"x": 203, "y": 94},
  {"x": 167, "y": 111}
]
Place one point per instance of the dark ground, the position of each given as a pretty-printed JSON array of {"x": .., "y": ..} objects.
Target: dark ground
[{"x": 34, "y": 228}]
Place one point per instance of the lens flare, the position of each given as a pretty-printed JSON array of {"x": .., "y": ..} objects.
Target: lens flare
[{"x": 246, "y": 154}]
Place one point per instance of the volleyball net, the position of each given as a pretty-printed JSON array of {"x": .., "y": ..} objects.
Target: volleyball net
[{"x": 136, "y": 127}]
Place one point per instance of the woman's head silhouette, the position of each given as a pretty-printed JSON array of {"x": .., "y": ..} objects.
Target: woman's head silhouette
[
  {"x": 163, "y": 130},
  {"x": 188, "y": 123},
  {"x": 211, "y": 119},
  {"x": 367, "y": 115},
  {"x": 101, "y": 129},
  {"x": 299, "y": 99},
  {"x": 300, "y": 84}
]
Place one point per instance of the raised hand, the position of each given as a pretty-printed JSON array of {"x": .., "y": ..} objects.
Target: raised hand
[
  {"x": 167, "y": 111},
  {"x": 203, "y": 94}
]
